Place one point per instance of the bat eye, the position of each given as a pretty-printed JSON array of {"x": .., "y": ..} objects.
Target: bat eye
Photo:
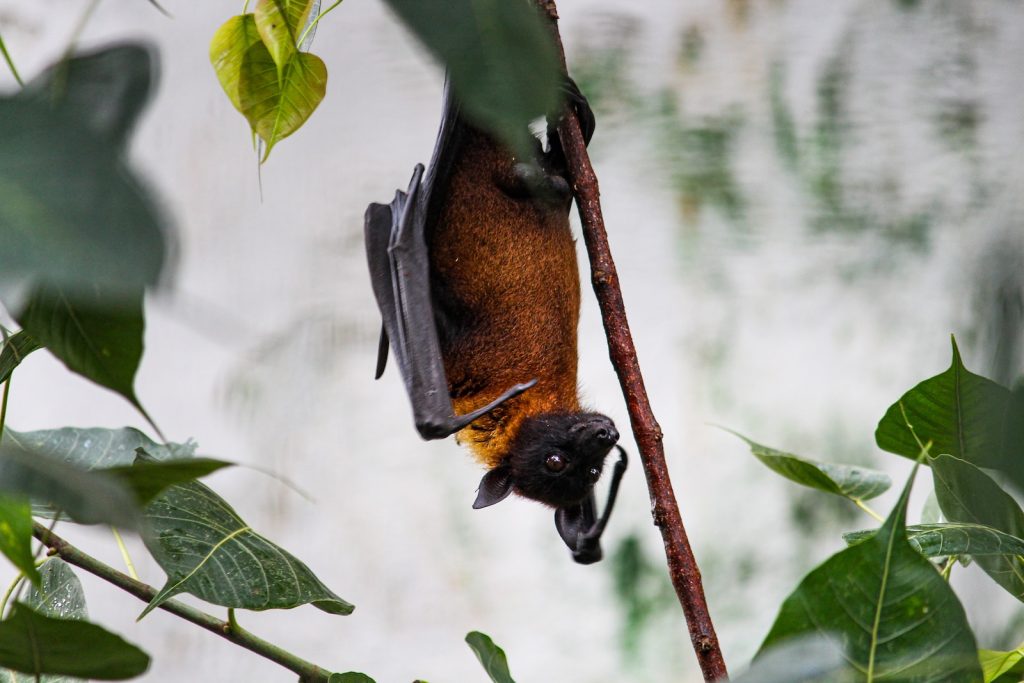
[{"x": 555, "y": 462}]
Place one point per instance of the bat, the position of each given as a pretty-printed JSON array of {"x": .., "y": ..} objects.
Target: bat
[{"x": 475, "y": 273}]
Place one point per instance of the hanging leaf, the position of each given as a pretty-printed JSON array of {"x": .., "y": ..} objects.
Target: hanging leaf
[
  {"x": 968, "y": 495},
  {"x": 16, "y": 535},
  {"x": 895, "y": 617},
  {"x": 963, "y": 415},
  {"x": 227, "y": 51},
  {"x": 14, "y": 351},
  {"x": 207, "y": 550},
  {"x": 277, "y": 107},
  {"x": 279, "y": 23},
  {"x": 36, "y": 644},
  {"x": 849, "y": 481},
  {"x": 500, "y": 57},
  {"x": 98, "y": 337},
  {"x": 948, "y": 539},
  {"x": 148, "y": 478},
  {"x": 97, "y": 447},
  {"x": 997, "y": 665},
  {"x": 491, "y": 657}
]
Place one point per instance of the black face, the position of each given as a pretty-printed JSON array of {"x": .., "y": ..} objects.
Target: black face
[{"x": 557, "y": 458}]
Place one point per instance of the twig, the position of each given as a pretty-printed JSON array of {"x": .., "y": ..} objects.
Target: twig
[
  {"x": 682, "y": 566},
  {"x": 307, "y": 671}
]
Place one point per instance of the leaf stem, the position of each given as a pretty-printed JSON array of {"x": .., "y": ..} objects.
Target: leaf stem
[
  {"x": 10, "y": 591},
  {"x": 315, "y": 21},
  {"x": 307, "y": 671},
  {"x": 864, "y": 506},
  {"x": 948, "y": 569},
  {"x": 10, "y": 63},
  {"x": 3, "y": 406},
  {"x": 124, "y": 554}
]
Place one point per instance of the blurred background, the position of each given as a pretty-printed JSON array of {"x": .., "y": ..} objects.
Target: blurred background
[{"x": 804, "y": 200}]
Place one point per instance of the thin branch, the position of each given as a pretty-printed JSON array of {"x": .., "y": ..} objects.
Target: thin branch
[
  {"x": 682, "y": 565},
  {"x": 307, "y": 671}
]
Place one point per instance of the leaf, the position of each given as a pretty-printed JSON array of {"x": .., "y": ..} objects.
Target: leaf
[
  {"x": 948, "y": 539},
  {"x": 491, "y": 657},
  {"x": 227, "y": 51},
  {"x": 968, "y": 495},
  {"x": 963, "y": 415},
  {"x": 996, "y": 664},
  {"x": 95, "y": 336},
  {"x": 814, "y": 659},
  {"x": 849, "y": 481},
  {"x": 350, "y": 677},
  {"x": 499, "y": 55},
  {"x": 36, "y": 644},
  {"x": 147, "y": 479},
  {"x": 14, "y": 351},
  {"x": 894, "y": 614},
  {"x": 279, "y": 23},
  {"x": 16, "y": 535},
  {"x": 97, "y": 447},
  {"x": 207, "y": 550},
  {"x": 88, "y": 497},
  {"x": 277, "y": 107},
  {"x": 71, "y": 212}
]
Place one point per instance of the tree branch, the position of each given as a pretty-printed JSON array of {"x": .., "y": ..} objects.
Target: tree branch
[
  {"x": 307, "y": 671},
  {"x": 682, "y": 565}
]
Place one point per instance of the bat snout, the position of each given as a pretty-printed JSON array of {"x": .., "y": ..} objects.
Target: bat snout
[{"x": 598, "y": 433}]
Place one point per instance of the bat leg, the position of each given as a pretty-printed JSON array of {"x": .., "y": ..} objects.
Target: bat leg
[
  {"x": 399, "y": 263},
  {"x": 579, "y": 526}
]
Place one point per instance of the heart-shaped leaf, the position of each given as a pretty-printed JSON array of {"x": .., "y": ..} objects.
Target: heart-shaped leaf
[
  {"x": 14, "y": 351},
  {"x": 36, "y": 644},
  {"x": 963, "y": 415},
  {"x": 207, "y": 550},
  {"x": 279, "y": 23},
  {"x": 227, "y": 51},
  {"x": 16, "y": 535},
  {"x": 849, "y": 481},
  {"x": 895, "y": 616},
  {"x": 500, "y": 57},
  {"x": 997, "y": 665},
  {"x": 491, "y": 657},
  {"x": 951, "y": 538},
  {"x": 98, "y": 447},
  {"x": 968, "y": 495}
]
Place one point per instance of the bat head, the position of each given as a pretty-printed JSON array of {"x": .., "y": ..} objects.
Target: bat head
[{"x": 555, "y": 458}]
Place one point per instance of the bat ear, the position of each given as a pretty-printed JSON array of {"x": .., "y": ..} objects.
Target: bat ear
[{"x": 495, "y": 487}]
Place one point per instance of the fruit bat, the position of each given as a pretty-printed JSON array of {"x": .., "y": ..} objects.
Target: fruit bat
[{"x": 474, "y": 270}]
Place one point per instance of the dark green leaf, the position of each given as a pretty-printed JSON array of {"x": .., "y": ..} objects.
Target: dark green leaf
[
  {"x": 998, "y": 664},
  {"x": 88, "y": 497},
  {"x": 208, "y": 550},
  {"x": 97, "y": 447},
  {"x": 491, "y": 657},
  {"x": 849, "y": 481},
  {"x": 814, "y": 659},
  {"x": 962, "y": 414},
  {"x": 894, "y": 614},
  {"x": 14, "y": 351},
  {"x": 279, "y": 23},
  {"x": 500, "y": 58},
  {"x": 36, "y": 644},
  {"x": 951, "y": 538},
  {"x": 71, "y": 213},
  {"x": 94, "y": 335},
  {"x": 350, "y": 677},
  {"x": 227, "y": 51},
  {"x": 16, "y": 535},
  {"x": 105, "y": 90},
  {"x": 968, "y": 495},
  {"x": 148, "y": 478}
]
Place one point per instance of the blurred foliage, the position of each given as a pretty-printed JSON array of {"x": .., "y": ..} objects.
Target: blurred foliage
[{"x": 643, "y": 593}]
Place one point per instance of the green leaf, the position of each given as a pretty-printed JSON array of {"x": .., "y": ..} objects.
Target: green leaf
[
  {"x": 97, "y": 447},
  {"x": 277, "y": 107},
  {"x": 16, "y": 535},
  {"x": 948, "y": 539},
  {"x": 147, "y": 479},
  {"x": 814, "y": 659},
  {"x": 499, "y": 55},
  {"x": 207, "y": 550},
  {"x": 71, "y": 213},
  {"x": 491, "y": 657},
  {"x": 14, "y": 351},
  {"x": 95, "y": 336},
  {"x": 227, "y": 51},
  {"x": 996, "y": 664},
  {"x": 962, "y": 414},
  {"x": 279, "y": 23},
  {"x": 894, "y": 614},
  {"x": 350, "y": 677},
  {"x": 968, "y": 495},
  {"x": 36, "y": 644},
  {"x": 849, "y": 481},
  {"x": 88, "y": 497}
]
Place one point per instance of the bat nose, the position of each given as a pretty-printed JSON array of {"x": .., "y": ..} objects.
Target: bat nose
[{"x": 601, "y": 433}]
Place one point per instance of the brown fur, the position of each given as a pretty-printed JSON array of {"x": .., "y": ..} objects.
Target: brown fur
[{"x": 504, "y": 269}]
